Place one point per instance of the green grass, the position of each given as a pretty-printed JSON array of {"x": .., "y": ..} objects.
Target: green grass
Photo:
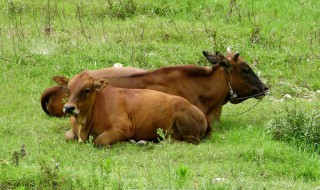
[{"x": 280, "y": 40}]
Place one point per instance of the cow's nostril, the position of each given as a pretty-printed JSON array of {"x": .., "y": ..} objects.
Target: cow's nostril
[{"x": 69, "y": 109}]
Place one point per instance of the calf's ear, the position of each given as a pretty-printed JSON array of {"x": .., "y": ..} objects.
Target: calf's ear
[
  {"x": 217, "y": 58},
  {"x": 61, "y": 80},
  {"x": 100, "y": 84}
]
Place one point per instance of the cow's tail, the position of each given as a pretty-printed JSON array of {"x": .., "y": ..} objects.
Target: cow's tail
[{"x": 45, "y": 97}]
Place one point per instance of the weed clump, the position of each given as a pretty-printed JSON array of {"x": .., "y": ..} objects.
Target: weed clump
[
  {"x": 297, "y": 127},
  {"x": 122, "y": 9},
  {"x": 181, "y": 172}
]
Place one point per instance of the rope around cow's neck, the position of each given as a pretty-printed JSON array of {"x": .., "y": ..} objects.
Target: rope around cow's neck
[
  {"x": 245, "y": 110},
  {"x": 247, "y": 97}
]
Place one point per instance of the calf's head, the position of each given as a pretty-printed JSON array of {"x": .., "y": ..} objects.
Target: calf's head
[
  {"x": 239, "y": 76},
  {"x": 81, "y": 92}
]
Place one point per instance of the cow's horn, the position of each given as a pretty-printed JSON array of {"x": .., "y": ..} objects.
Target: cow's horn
[
  {"x": 229, "y": 49},
  {"x": 236, "y": 55}
]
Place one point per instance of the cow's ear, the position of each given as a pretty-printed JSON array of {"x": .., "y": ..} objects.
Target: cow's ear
[
  {"x": 100, "y": 84},
  {"x": 61, "y": 80},
  {"x": 217, "y": 58}
]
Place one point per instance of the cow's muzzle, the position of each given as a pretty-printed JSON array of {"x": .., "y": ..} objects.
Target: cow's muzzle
[
  {"x": 264, "y": 93},
  {"x": 70, "y": 109}
]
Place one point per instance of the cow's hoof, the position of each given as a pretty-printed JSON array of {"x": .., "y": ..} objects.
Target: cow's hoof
[
  {"x": 142, "y": 143},
  {"x": 132, "y": 141},
  {"x": 70, "y": 135}
]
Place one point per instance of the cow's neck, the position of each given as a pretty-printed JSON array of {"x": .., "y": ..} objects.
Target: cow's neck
[
  {"x": 98, "y": 113},
  {"x": 213, "y": 94}
]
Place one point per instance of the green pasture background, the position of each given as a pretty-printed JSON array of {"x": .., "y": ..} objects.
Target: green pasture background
[{"x": 40, "y": 39}]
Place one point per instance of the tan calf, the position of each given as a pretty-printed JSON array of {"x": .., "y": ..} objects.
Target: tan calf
[{"x": 113, "y": 114}]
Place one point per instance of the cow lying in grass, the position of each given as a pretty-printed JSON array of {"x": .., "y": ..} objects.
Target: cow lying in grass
[
  {"x": 228, "y": 79},
  {"x": 53, "y": 98},
  {"x": 113, "y": 114}
]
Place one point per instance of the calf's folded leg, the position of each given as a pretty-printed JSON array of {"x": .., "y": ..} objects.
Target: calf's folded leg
[
  {"x": 110, "y": 137},
  {"x": 191, "y": 125}
]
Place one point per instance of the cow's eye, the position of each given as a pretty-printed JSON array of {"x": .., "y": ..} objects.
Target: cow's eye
[
  {"x": 87, "y": 90},
  {"x": 246, "y": 70}
]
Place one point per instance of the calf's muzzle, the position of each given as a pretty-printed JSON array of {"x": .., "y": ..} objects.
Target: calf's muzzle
[{"x": 69, "y": 109}]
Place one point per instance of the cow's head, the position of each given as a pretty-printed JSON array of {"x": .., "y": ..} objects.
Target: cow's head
[
  {"x": 81, "y": 92},
  {"x": 243, "y": 81}
]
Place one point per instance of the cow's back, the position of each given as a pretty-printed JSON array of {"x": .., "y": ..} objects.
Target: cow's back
[{"x": 114, "y": 72}]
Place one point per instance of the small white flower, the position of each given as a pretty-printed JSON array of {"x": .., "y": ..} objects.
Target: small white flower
[{"x": 117, "y": 65}]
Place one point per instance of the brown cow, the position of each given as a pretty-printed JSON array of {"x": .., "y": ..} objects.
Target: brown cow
[
  {"x": 209, "y": 88},
  {"x": 113, "y": 114},
  {"x": 53, "y": 98}
]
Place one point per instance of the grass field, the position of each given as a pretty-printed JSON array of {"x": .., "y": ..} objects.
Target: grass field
[{"x": 280, "y": 40}]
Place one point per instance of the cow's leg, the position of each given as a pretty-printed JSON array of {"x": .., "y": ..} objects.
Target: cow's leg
[
  {"x": 110, "y": 137},
  {"x": 214, "y": 117},
  {"x": 72, "y": 133}
]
